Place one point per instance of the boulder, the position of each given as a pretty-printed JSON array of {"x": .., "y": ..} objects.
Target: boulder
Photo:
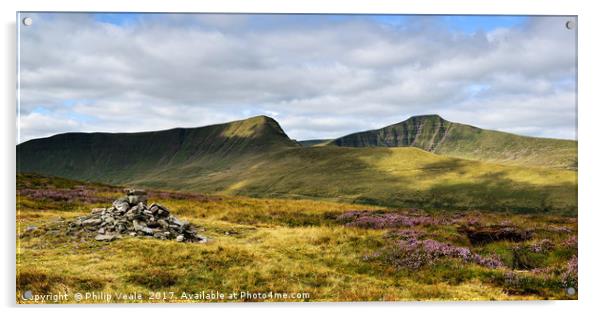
[{"x": 92, "y": 222}]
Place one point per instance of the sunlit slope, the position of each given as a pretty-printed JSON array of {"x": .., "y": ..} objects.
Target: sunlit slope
[
  {"x": 382, "y": 176},
  {"x": 434, "y": 134},
  {"x": 123, "y": 157},
  {"x": 255, "y": 157},
  {"x": 314, "y": 142}
]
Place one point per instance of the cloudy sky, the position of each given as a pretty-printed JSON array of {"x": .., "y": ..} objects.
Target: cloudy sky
[{"x": 320, "y": 76}]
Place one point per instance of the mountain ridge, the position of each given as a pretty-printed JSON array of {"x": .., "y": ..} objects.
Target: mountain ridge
[
  {"x": 434, "y": 134},
  {"x": 255, "y": 157},
  {"x": 66, "y": 154}
]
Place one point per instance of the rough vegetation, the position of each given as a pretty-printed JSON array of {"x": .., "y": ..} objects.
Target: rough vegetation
[{"x": 318, "y": 247}]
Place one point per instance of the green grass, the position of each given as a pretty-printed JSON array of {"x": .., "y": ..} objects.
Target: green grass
[
  {"x": 255, "y": 158},
  {"x": 434, "y": 134},
  {"x": 382, "y": 176},
  {"x": 279, "y": 245}
]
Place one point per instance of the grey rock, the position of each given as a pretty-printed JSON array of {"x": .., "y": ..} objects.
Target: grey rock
[
  {"x": 92, "y": 222},
  {"x": 176, "y": 222},
  {"x": 148, "y": 231},
  {"x": 137, "y": 225},
  {"x": 133, "y": 199},
  {"x": 110, "y": 221},
  {"x": 121, "y": 206},
  {"x": 131, "y": 216},
  {"x": 164, "y": 225}
]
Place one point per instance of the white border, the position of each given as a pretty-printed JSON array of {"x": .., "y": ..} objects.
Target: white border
[{"x": 590, "y": 215}]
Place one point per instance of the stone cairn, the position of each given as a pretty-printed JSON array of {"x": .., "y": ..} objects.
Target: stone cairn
[{"x": 130, "y": 215}]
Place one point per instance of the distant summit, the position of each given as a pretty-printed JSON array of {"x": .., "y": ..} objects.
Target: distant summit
[
  {"x": 434, "y": 134},
  {"x": 423, "y": 131},
  {"x": 113, "y": 157}
]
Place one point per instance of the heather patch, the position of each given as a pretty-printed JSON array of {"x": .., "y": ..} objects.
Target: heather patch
[
  {"x": 413, "y": 254},
  {"x": 542, "y": 246},
  {"x": 79, "y": 194},
  {"x": 383, "y": 220},
  {"x": 569, "y": 276},
  {"x": 571, "y": 242},
  {"x": 405, "y": 234}
]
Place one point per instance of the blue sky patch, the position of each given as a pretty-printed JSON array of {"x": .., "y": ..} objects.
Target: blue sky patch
[{"x": 119, "y": 19}]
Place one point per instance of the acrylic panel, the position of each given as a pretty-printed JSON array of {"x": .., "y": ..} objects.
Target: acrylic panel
[{"x": 192, "y": 158}]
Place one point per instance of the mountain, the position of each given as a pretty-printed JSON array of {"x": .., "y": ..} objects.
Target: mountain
[
  {"x": 254, "y": 157},
  {"x": 437, "y": 135},
  {"x": 118, "y": 157}
]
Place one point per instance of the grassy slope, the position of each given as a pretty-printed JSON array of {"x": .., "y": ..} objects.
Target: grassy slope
[
  {"x": 314, "y": 142},
  {"x": 272, "y": 245},
  {"x": 433, "y": 133},
  {"x": 382, "y": 176},
  {"x": 255, "y": 157},
  {"x": 467, "y": 142},
  {"x": 117, "y": 158}
]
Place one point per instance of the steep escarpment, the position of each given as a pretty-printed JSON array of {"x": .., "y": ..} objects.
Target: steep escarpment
[
  {"x": 435, "y": 134},
  {"x": 116, "y": 157},
  {"x": 426, "y": 132}
]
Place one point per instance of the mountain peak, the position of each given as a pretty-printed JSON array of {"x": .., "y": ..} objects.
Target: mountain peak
[
  {"x": 422, "y": 131},
  {"x": 254, "y": 127},
  {"x": 426, "y": 117},
  {"x": 260, "y": 119}
]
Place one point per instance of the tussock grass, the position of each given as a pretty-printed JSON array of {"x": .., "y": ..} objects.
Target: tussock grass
[{"x": 280, "y": 245}]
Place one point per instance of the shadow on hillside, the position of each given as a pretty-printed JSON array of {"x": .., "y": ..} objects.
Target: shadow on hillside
[
  {"x": 495, "y": 191},
  {"x": 267, "y": 168},
  {"x": 351, "y": 178}
]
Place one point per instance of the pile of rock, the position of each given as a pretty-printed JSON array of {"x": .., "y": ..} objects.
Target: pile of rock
[{"x": 130, "y": 215}]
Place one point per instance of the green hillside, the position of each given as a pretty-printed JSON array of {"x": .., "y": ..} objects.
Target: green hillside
[
  {"x": 121, "y": 157},
  {"x": 381, "y": 176},
  {"x": 314, "y": 142},
  {"x": 254, "y": 157},
  {"x": 434, "y": 134}
]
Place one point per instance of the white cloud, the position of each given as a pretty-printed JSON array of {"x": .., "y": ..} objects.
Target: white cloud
[{"x": 320, "y": 77}]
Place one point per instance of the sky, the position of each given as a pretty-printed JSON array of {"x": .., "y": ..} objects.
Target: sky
[{"x": 319, "y": 76}]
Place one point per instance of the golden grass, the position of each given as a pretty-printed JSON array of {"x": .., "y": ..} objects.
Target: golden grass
[{"x": 257, "y": 245}]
